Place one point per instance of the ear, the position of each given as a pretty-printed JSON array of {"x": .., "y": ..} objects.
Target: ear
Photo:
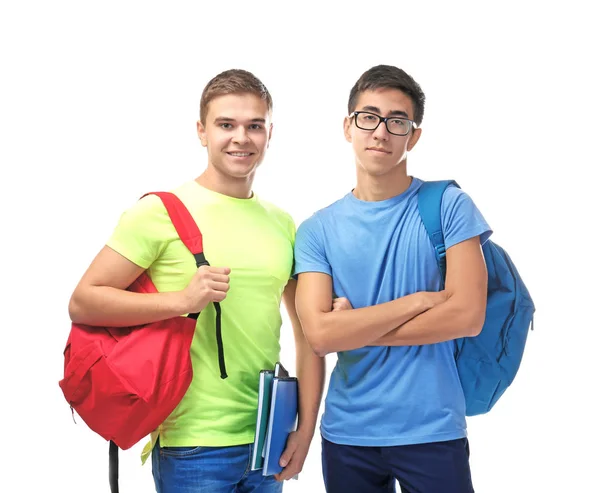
[
  {"x": 270, "y": 134},
  {"x": 414, "y": 138},
  {"x": 201, "y": 133},
  {"x": 347, "y": 127}
]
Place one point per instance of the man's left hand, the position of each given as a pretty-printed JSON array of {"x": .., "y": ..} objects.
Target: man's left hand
[{"x": 294, "y": 455}]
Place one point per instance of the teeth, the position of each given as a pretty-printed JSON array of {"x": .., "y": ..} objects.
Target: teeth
[{"x": 240, "y": 154}]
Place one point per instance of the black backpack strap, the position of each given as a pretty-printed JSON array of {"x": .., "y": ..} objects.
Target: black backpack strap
[{"x": 113, "y": 467}]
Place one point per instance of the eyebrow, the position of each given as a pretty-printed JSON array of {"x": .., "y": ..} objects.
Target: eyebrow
[
  {"x": 227, "y": 119},
  {"x": 375, "y": 109}
]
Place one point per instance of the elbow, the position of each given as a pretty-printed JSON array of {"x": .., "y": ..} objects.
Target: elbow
[
  {"x": 75, "y": 309},
  {"x": 319, "y": 346},
  {"x": 316, "y": 341},
  {"x": 321, "y": 351},
  {"x": 474, "y": 322},
  {"x": 468, "y": 315}
]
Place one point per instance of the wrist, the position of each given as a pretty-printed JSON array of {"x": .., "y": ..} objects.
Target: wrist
[
  {"x": 179, "y": 302},
  {"x": 306, "y": 431}
]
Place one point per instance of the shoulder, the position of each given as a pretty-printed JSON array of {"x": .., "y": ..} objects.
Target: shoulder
[
  {"x": 316, "y": 220},
  {"x": 279, "y": 216},
  {"x": 313, "y": 228},
  {"x": 453, "y": 195},
  {"x": 461, "y": 218},
  {"x": 149, "y": 208},
  {"x": 275, "y": 211},
  {"x": 456, "y": 203},
  {"x": 326, "y": 214}
]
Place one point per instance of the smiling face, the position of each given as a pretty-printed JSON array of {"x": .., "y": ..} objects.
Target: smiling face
[
  {"x": 236, "y": 134},
  {"x": 378, "y": 152}
]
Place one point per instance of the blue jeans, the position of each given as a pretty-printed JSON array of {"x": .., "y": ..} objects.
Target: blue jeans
[
  {"x": 209, "y": 469},
  {"x": 422, "y": 468}
]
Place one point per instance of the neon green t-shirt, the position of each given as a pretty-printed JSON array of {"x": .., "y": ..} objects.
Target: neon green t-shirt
[{"x": 253, "y": 238}]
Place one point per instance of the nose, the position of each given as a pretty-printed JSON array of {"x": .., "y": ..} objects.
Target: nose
[
  {"x": 381, "y": 132},
  {"x": 241, "y": 135}
]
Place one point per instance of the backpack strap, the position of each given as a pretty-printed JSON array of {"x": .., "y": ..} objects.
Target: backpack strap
[
  {"x": 429, "y": 200},
  {"x": 190, "y": 235},
  {"x": 186, "y": 227},
  {"x": 113, "y": 467}
]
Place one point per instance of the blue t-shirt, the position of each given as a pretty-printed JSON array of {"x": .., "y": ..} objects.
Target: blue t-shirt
[{"x": 377, "y": 252}]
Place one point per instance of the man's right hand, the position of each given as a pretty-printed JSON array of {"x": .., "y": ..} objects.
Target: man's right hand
[{"x": 209, "y": 284}]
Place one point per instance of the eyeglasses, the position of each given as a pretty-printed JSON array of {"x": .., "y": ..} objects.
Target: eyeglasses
[{"x": 395, "y": 125}]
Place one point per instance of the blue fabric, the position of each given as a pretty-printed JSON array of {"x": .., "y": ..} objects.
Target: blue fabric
[
  {"x": 421, "y": 468},
  {"x": 210, "y": 470},
  {"x": 487, "y": 364},
  {"x": 377, "y": 252}
]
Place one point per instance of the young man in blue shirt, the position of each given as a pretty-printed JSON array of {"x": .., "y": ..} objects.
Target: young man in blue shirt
[{"x": 395, "y": 409}]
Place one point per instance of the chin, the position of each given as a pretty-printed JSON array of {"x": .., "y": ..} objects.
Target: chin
[
  {"x": 377, "y": 168},
  {"x": 240, "y": 172}
]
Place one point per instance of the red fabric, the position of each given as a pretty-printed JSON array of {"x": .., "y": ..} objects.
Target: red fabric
[{"x": 124, "y": 382}]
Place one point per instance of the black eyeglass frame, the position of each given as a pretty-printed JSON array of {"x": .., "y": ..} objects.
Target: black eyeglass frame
[{"x": 355, "y": 114}]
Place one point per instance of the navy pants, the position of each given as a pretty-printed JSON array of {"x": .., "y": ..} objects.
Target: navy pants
[{"x": 439, "y": 467}]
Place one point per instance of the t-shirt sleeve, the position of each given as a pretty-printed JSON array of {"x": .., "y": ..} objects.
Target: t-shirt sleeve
[
  {"x": 140, "y": 235},
  {"x": 461, "y": 219},
  {"x": 291, "y": 227},
  {"x": 309, "y": 250}
]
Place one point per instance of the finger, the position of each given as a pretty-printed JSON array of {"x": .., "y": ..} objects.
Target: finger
[
  {"x": 218, "y": 296},
  {"x": 287, "y": 454},
  {"x": 220, "y": 270},
  {"x": 219, "y": 286},
  {"x": 219, "y": 278},
  {"x": 288, "y": 472},
  {"x": 339, "y": 306}
]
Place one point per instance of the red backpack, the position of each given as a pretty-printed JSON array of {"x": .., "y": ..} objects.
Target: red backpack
[{"x": 124, "y": 382}]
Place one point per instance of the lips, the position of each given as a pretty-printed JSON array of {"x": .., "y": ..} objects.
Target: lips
[
  {"x": 378, "y": 149},
  {"x": 240, "y": 153}
]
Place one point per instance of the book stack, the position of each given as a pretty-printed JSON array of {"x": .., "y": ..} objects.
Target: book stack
[{"x": 277, "y": 417}]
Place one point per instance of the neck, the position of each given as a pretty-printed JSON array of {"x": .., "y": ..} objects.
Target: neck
[
  {"x": 240, "y": 188},
  {"x": 374, "y": 188}
]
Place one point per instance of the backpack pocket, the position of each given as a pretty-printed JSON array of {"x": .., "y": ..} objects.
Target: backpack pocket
[
  {"x": 76, "y": 369},
  {"x": 482, "y": 382}
]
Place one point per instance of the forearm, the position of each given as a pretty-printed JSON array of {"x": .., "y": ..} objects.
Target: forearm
[
  {"x": 310, "y": 370},
  {"x": 351, "y": 329},
  {"x": 112, "y": 307},
  {"x": 452, "y": 319}
]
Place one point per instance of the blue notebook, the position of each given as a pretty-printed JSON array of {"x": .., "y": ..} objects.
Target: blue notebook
[{"x": 282, "y": 421}]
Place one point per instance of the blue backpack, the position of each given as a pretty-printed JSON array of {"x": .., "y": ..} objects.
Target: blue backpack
[{"x": 487, "y": 363}]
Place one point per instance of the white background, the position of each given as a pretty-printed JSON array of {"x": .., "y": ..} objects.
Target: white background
[{"x": 98, "y": 105}]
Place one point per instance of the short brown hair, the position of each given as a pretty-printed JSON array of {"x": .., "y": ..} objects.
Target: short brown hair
[
  {"x": 389, "y": 77},
  {"x": 234, "y": 81}
]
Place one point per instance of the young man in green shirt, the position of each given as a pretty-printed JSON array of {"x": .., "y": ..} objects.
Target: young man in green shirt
[{"x": 206, "y": 443}]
